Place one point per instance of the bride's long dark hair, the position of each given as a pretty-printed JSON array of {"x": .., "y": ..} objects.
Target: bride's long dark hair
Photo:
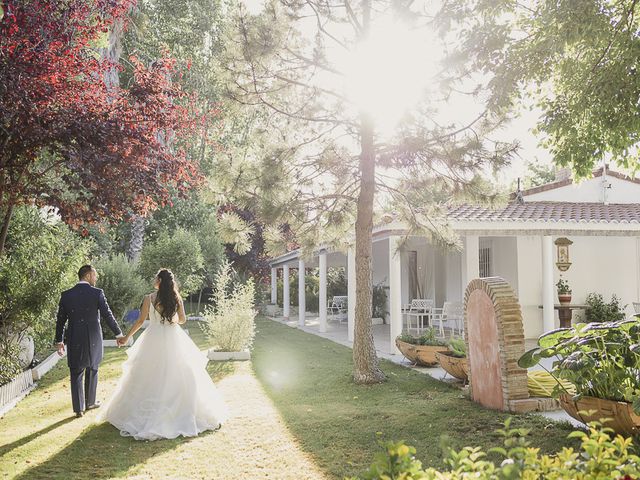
[{"x": 168, "y": 295}]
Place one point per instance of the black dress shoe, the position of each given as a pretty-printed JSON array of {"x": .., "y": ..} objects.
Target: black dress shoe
[
  {"x": 79, "y": 414},
  {"x": 95, "y": 405}
]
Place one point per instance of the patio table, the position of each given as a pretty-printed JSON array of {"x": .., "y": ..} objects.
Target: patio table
[{"x": 565, "y": 312}]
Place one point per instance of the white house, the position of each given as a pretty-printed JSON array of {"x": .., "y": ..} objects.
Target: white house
[{"x": 601, "y": 216}]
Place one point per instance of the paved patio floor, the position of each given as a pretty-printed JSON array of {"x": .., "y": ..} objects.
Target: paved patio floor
[{"x": 337, "y": 332}]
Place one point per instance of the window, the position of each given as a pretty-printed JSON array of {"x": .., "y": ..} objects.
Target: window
[{"x": 485, "y": 259}]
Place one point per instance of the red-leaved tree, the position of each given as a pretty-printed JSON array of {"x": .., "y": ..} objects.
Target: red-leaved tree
[{"x": 70, "y": 140}]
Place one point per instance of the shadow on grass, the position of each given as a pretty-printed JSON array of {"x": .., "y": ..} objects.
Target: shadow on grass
[
  {"x": 4, "y": 449},
  {"x": 99, "y": 452},
  {"x": 219, "y": 370}
]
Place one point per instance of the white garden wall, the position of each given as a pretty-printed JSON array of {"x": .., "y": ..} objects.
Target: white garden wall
[
  {"x": 604, "y": 265},
  {"x": 621, "y": 191}
]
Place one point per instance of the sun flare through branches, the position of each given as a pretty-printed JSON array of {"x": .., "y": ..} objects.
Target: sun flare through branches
[{"x": 390, "y": 71}]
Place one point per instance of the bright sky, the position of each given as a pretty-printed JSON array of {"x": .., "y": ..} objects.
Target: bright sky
[{"x": 401, "y": 62}]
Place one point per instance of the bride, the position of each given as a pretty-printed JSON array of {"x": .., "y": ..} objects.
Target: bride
[{"x": 165, "y": 390}]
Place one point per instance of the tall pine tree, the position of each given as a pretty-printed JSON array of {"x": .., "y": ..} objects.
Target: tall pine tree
[{"x": 320, "y": 159}]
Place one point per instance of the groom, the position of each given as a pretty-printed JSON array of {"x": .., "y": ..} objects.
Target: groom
[{"x": 82, "y": 307}]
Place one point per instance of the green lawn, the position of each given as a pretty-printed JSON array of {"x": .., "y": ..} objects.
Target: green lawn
[
  {"x": 308, "y": 379},
  {"x": 295, "y": 415}
]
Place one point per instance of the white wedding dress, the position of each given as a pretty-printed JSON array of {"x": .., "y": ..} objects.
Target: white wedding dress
[{"x": 165, "y": 390}]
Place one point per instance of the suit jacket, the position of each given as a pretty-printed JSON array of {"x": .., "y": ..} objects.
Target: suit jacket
[{"x": 82, "y": 307}]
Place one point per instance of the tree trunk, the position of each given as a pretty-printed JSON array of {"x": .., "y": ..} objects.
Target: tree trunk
[
  {"x": 200, "y": 299},
  {"x": 5, "y": 227},
  {"x": 138, "y": 226},
  {"x": 365, "y": 360}
]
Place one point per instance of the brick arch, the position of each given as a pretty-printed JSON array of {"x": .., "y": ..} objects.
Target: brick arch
[{"x": 495, "y": 342}]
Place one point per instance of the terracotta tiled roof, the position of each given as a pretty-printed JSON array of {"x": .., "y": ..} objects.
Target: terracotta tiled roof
[{"x": 550, "y": 212}]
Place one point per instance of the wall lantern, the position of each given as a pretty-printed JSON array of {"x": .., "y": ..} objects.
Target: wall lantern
[{"x": 563, "y": 262}]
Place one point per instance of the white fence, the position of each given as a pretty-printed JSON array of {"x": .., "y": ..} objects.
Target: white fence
[
  {"x": 14, "y": 391},
  {"x": 23, "y": 383}
]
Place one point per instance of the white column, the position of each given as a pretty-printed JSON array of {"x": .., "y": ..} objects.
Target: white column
[
  {"x": 395, "y": 292},
  {"x": 351, "y": 292},
  {"x": 285, "y": 292},
  {"x": 472, "y": 258},
  {"x": 548, "y": 314},
  {"x": 302, "y": 307},
  {"x": 274, "y": 286},
  {"x": 322, "y": 264}
]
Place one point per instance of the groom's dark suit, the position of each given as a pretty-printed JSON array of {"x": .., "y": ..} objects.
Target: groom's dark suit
[{"x": 82, "y": 307}]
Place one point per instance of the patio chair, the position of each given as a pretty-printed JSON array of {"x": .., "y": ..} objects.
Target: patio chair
[
  {"x": 452, "y": 313},
  {"x": 420, "y": 308},
  {"x": 338, "y": 306}
]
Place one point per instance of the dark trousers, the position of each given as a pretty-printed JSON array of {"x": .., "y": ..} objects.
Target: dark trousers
[{"x": 81, "y": 396}]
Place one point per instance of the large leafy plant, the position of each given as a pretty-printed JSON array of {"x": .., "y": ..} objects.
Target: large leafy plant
[
  {"x": 600, "y": 456},
  {"x": 601, "y": 359},
  {"x": 458, "y": 347}
]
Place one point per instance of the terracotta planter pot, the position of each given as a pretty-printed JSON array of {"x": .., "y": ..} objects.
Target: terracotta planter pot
[
  {"x": 457, "y": 367},
  {"x": 623, "y": 420},
  {"x": 423, "y": 355},
  {"x": 564, "y": 297}
]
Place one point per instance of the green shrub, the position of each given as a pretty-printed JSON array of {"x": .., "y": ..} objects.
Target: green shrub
[
  {"x": 181, "y": 253},
  {"x": 9, "y": 364},
  {"x": 230, "y": 323},
  {"x": 600, "y": 311},
  {"x": 458, "y": 347},
  {"x": 123, "y": 286},
  {"x": 601, "y": 456},
  {"x": 379, "y": 302},
  {"x": 428, "y": 338},
  {"x": 336, "y": 282},
  {"x": 311, "y": 289},
  {"x": 41, "y": 260}
]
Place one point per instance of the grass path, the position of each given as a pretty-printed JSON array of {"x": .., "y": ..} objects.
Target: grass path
[
  {"x": 295, "y": 415},
  {"x": 39, "y": 440},
  {"x": 339, "y": 423}
]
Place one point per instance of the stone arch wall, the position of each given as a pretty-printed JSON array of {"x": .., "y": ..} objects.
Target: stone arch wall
[{"x": 495, "y": 341}]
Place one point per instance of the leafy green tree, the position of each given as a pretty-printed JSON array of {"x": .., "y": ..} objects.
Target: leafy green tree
[
  {"x": 319, "y": 160},
  {"x": 190, "y": 30},
  {"x": 41, "y": 260},
  {"x": 577, "y": 61},
  {"x": 122, "y": 284},
  {"x": 181, "y": 253}
]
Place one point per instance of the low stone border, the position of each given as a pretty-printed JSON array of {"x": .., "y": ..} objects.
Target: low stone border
[{"x": 224, "y": 356}]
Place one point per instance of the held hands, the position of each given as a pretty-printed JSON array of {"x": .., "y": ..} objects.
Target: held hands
[
  {"x": 60, "y": 347},
  {"x": 121, "y": 341}
]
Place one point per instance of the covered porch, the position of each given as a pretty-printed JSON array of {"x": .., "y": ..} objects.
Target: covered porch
[{"x": 517, "y": 244}]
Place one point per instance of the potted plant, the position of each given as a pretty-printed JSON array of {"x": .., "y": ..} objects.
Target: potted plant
[
  {"x": 455, "y": 362},
  {"x": 378, "y": 305},
  {"x": 421, "y": 350},
  {"x": 564, "y": 291},
  {"x": 230, "y": 324},
  {"x": 602, "y": 360}
]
